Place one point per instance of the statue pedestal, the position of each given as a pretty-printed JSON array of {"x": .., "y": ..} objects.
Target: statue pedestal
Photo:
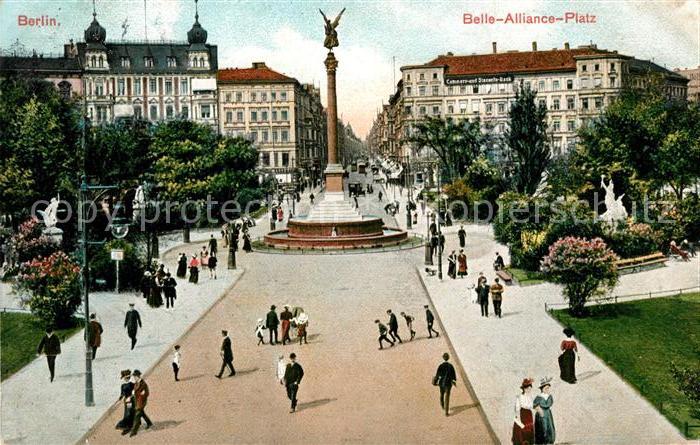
[
  {"x": 334, "y": 178},
  {"x": 54, "y": 233}
]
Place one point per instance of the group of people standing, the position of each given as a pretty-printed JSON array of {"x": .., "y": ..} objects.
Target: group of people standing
[
  {"x": 287, "y": 320},
  {"x": 457, "y": 264},
  {"x": 155, "y": 286},
  {"x": 393, "y": 329},
  {"x": 483, "y": 289},
  {"x": 533, "y": 422}
]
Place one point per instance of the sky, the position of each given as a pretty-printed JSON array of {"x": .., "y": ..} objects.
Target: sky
[{"x": 376, "y": 37}]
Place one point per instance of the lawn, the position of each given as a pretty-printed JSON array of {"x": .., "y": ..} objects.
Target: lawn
[
  {"x": 526, "y": 277},
  {"x": 640, "y": 339},
  {"x": 20, "y": 334}
]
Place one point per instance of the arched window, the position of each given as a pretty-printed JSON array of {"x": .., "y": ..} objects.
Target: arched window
[
  {"x": 64, "y": 88},
  {"x": 201, "y": 62},
  {"x": 93, "y": 61},
  {"x": 101, "y": 62}
]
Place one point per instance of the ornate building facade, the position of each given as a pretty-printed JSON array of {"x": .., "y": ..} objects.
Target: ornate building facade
[
  {"x": 151, "y": 80},
  {"x": 283, "y": 117},
  {"x": 574, "y": 84}
]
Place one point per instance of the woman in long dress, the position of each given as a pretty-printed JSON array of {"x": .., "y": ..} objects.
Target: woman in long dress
[
  {"x": 246, "y": 243},
  {"x": 194, "y": 269},
  {"x": 523, "y": 424},
  {"x": 146, "y": 281},
  {"x": 462, "y": 264},
  {"x": 182, "y": 266},
  {"x": 125, "y": 397},
  {"x": 452, "y": 268},
  {"x": 544, "y": 421},
  {"x": 156, "y": 299},
  {"x": 567, "y": 360}
]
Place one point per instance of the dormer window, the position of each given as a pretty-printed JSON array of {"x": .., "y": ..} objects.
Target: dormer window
[
  {"x": 201, "y": 62},
  {"x": 148, "y": 62},
  {"x": 101, "y": 61},
  {"x": 126, "y": 63},
  {"x": 93, "y": 61},
  {"x": 172, "y": 62}
]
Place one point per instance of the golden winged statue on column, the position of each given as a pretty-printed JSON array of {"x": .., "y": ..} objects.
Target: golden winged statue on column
[{"x": 331, "y": 40}]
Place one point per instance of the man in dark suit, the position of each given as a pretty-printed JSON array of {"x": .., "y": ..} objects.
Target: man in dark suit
[
  {"x": 462, "y": 235},
  {"x": 445, "y": 378},
  {"x": 393, "y": 326},
  {"x": 292, "y": 377},
  {"x": 132, "y": 323},
  {"x": 430, "y": 319},
  {"x": 226, "y": 356},
  {"x": 50, "y": 345},
  {"x": 213, "y": 248},
  {"x": 482, "y": 292},
  {"x": 271, "y": 323}
]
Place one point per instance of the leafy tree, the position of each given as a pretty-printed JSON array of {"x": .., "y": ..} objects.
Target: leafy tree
[
  {"x": 456, "y": 143},
  {"x": 202, "y": 165},
  {"x": 38, "y": 134},
  {"x": 119, "y": 152},
  {"x": 644, "y": 141},
  {"x": 527, "y": 138},
  {"x": 585, "y": 267}
]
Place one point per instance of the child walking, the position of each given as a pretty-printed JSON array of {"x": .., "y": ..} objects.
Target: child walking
[
  {"x": 259, "y": 331},
  {"x": 176, "y": 362}
]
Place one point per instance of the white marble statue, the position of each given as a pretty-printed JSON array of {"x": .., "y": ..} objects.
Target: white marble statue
[
  {"x": 139, "y": 202},
  {"x": 49, "y": 214},
  {"x": 615, "y": 210}
]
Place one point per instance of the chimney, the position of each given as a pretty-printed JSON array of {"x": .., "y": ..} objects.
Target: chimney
[
  {"x": 493, "y": 45},
  {"x": 534, "y": 46},
  {"x": 566, "y": 45},
  {"x": 258, "y": 65},
  {"x": 450, "y": 54}
]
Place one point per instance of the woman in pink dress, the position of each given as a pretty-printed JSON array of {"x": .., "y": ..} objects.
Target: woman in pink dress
[
  {"x": 280, "y": 214},
  {"x": 523, "y": 425}
]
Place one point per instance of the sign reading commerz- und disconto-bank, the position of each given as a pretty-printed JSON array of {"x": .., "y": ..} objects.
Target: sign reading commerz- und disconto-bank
[{"x": 478, "y": 80}]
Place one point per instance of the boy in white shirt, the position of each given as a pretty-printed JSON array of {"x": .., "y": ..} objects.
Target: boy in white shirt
[{"x": 176, "y": 362}]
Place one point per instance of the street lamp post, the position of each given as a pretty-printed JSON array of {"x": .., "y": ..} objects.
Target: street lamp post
[
  {"x": 409, "y": 187},
  {"x": 232, "y": 241},
  {"x": 439, "y": 228}
]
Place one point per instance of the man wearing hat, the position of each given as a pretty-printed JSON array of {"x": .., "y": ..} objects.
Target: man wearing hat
[
  {"x": 140, "y": 399},
  {"x": 430, "y": 319},
  {"x": 50, "y": 345},
  {"x": 286, "y": 318},
  {"x": 226, "y": 356},
  {"x": 132, "y": 323},
  {"x": 445, "y": 378},
  {"x": 292, "y": 377},
  {"x": 271, "y": 323},
  {"x": 94, "y": 333}
]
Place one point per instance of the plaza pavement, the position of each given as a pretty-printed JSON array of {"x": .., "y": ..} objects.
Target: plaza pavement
[
  {"x": 498, "y": 353},
  {"x": 35, "y": 411},
  {"x": 351, "y": 392}
]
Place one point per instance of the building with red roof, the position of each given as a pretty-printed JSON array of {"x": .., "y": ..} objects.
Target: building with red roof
[
  {"x": 284, "y": 118},
  {"x": 574, "y": 84}
]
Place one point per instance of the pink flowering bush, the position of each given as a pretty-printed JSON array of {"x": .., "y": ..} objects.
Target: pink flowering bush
[
  {"x": 585, "y": 267},
  {"x": 50, "y": 286},
  {"x": 30, "y": 242}
]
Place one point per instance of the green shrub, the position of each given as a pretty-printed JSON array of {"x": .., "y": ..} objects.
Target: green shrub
[
  {"x": 636, "y": 239},
  {"x": 130, "y": 269}
]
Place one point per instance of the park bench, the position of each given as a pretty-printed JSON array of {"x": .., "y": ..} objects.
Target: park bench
[
  {"x": 505, "y": 276},
  {"x": 639, "y": 263}
]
